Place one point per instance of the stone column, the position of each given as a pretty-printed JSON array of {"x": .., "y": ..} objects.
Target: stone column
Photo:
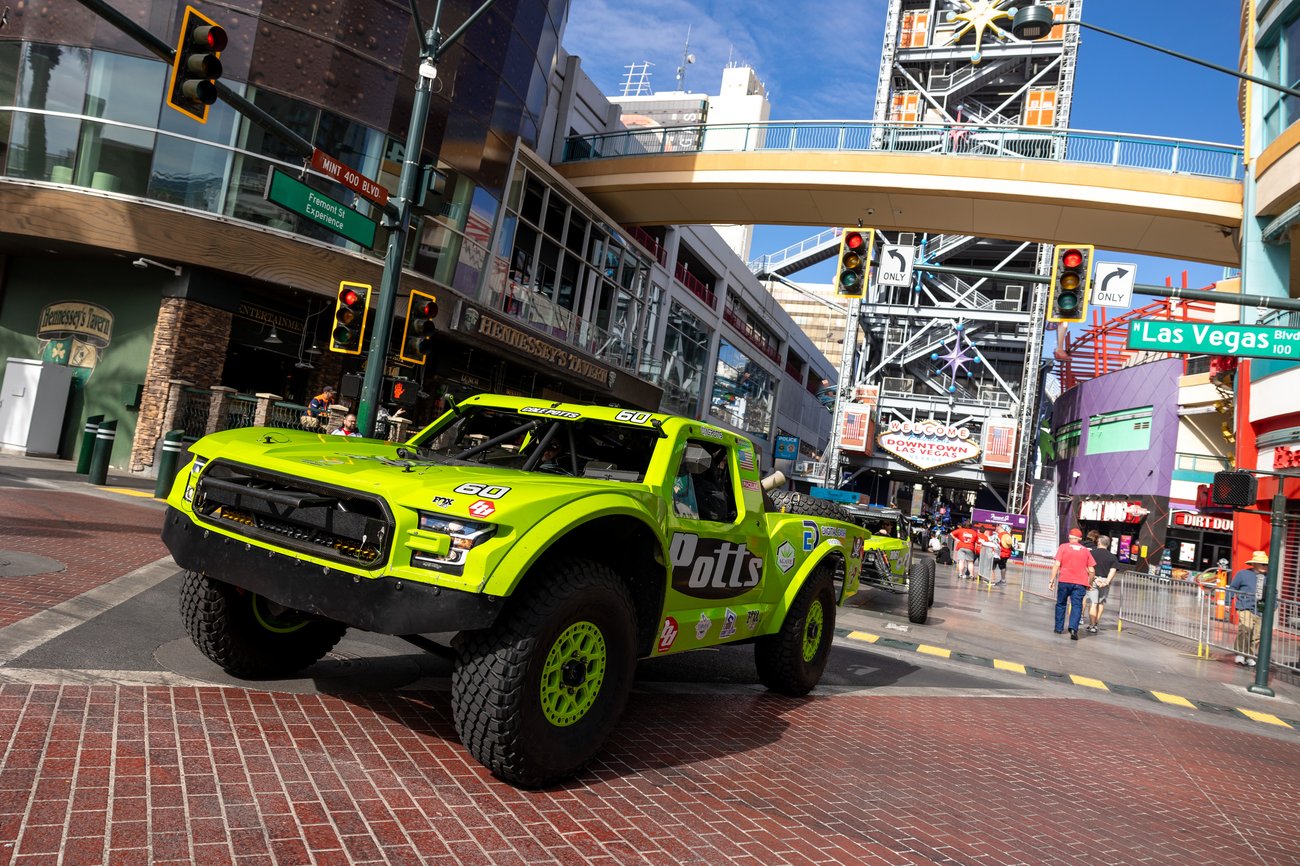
[
  {"x": 397, "y": 429},
  {"x": 175, "y": 391},
  {"x": 334, "y": 416},
  {"x": 263, "y": 411},
  {"x": 217, "y": 410}
]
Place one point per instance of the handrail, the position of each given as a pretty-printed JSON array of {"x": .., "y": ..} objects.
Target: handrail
[{"x": 1130, "y": 150}]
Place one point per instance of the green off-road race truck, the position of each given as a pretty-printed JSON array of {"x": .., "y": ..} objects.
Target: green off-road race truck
[{"x": 559, "y": 543}]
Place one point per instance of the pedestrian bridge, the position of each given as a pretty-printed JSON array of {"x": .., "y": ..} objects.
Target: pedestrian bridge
[{"x": 1130, "y": 193}]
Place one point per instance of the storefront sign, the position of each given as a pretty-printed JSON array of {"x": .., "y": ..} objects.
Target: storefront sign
[
  {"x": 1208, "y": 522},
  {"x": 1112, "y": 511},
  {"x": 927, "y": 444},
  {"x": 271, "y": 318},
  {"x": 997, "y": 518},
  {"x": 74, "y": 334},
  {"x": 490, "y": 327}
]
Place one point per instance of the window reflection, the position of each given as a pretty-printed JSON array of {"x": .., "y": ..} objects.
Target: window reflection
[
  {"x": 742, "y": 392},
  {"x": 686, "y": 351},
  {"x": 188, "y": 173},
  {"x": 52, "y": 78},
  {"x": 9, "y": 56},
  {"x": 115, "y": 158}
]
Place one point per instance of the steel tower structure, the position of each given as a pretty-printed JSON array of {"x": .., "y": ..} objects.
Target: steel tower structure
[{"x": 965, "y": 351}]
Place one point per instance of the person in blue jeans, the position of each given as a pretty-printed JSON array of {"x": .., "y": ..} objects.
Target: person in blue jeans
[{"x": 1073, "y": 569}]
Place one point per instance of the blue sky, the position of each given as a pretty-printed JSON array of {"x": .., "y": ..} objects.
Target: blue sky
[{"x": 805, "y": 52}]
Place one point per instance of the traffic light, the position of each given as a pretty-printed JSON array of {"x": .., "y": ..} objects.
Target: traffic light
[
  {"x": 401, "y": 392},
  {"x": 1071, "y": 283},
  {"x": 197, "y": 65},
  {"x": 350, "y": 313},
  {"x": 855, "y": 258},
  {"x": 417, "y": 335}
]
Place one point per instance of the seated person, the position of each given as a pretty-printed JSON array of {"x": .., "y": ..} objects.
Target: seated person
[
  {"x": 705, "y": 475},
  {"x": 551, "y": 460}
]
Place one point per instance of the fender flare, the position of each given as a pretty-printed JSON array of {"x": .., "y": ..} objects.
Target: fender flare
[
  {"x": 543, "y": 535},
  {"x": 824, "y": 553}
]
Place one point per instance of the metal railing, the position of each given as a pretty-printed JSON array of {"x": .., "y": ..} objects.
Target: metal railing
[
  {"x": 288, "y": 416},
  {"x": 1170, "y": 155},
  {"x": 192, "y": 414}
]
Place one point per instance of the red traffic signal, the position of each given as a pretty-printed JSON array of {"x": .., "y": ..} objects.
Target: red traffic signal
[
  {"x": 1071, "y": 282},
  {"x": 855, "y": 258},
  {"x": 419, "y": 328},
  {"x": 351, "y": 310},
  {"x": 197, "y": 65}
]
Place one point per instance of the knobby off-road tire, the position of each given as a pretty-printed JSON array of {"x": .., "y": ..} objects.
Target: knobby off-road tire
[
  {"x": 535, "y": 696},
  {"x": 929, "y": 579},
  {"x": 792, "y": 660},
  {"x": 800, "y": 503},
  {"x": 919, "y": 593},
  {"x": 248, "y": 636}
]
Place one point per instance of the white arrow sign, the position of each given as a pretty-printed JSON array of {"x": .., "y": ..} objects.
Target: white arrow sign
[
  {"x": 1113, "y": 284},
  {"x": 895, "y": 265}
]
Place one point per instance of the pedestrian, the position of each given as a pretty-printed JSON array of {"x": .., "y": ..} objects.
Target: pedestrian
[
  {"x": 318, "y": 409},
  {"x": 1107, "y": 566},
  {"x": 348, "y": 428},
  {"x": 383, "y": 419},
  {"x": 965, "y": 540},
  {"x": 1245, "y": 589},
  {"x": 935, "y": 544},
  {"x": 1006, "y": 543},
  {"x": 1073, "y": 569}
]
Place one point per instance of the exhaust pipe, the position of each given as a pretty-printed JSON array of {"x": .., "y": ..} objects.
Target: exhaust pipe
[{"x": 773, "y": 481}]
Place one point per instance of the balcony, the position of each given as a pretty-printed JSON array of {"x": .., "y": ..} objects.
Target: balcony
[
  {"x": 701, "y": 291},
  {"x": 750, "y": 333},
  {"x": 652, "y": 245}
]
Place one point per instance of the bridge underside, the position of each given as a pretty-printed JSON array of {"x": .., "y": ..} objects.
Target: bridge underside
[{"x": 1123, "y": 209}]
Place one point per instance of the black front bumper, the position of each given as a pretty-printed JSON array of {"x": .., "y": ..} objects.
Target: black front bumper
[{"x": 386, "y": 605}]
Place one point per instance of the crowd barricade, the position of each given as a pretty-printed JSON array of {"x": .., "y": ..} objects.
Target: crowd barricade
[
  {"x": 1033, "y": 574},
  {"x": 1178, "y": 607}
]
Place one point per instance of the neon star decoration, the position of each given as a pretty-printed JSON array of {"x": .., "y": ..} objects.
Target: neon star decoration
[
  {"x": 956, "y": 359},
  {"x": 980, "y": 16}
]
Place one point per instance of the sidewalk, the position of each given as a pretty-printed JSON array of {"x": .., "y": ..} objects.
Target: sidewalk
[
  {"x": 17, "y": 471},
  {"x": 1009, "y": 625}
]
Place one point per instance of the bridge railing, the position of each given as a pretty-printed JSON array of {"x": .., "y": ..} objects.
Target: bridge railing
[{"x": 1170, "y": 155}]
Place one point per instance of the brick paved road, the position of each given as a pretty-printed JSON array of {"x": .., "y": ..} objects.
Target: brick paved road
[
  {"x": 211, "y": 775},
  {"x": 97, "y": 538}
]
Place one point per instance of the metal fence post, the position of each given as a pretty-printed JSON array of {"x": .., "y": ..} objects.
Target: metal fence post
[
  {"x": 88, "y": 443},
  {"x": 172, "y": 447},
  {"x": 104, "y": 437}
]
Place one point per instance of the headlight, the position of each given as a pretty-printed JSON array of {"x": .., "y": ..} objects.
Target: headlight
[
  {"x": 195, "y": 468},
  {"x": 464, "y": 535}
]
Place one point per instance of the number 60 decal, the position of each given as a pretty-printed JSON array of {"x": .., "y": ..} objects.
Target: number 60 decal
[
  {"x": 634, "y": 417},
  {"x": 487, "y": 491}
]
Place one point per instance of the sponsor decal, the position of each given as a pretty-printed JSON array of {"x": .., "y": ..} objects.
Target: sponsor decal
[
  {"x": 487, "y": 491},
  {"x": 326, "y": 461},
  {"x": 728, "y": 624},
  {"x": 749, "y": 485},
  {"x": 668, "y": 635},
  {"x": 548, "y": 412},
  {"x": 745, "y": 458},
  {"x": 702, "y": 627},
  {"x": 858, "y": 544},
  {"x": 751, "y": 620},
  {"x": 482, "y": 508},
  {"x": 443, "y": 501},
  {"x": 834, "y": 542},
  {"x": 834, "y": 532},
  {"x": 711, "y": 568},
  {"x": 785, "y": 557},
  {"x": 633, "y": 417},
  {"x": 811, "y": 535},
  {"x": 711, "y": 433}
]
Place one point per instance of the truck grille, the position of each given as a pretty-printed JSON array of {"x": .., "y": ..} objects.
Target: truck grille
[{"x": 301, "y": 515}]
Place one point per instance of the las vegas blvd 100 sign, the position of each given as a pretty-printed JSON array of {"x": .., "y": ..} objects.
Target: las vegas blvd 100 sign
[{"x": 1246, "y": 341}]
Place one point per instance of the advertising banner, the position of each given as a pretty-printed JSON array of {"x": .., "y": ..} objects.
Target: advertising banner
[{"x": 999, "y": 441}]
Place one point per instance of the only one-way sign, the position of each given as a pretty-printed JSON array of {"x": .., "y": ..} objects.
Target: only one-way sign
[
  {"x": 895, "y": 265},
  {"x": 1113, "y": 284}
]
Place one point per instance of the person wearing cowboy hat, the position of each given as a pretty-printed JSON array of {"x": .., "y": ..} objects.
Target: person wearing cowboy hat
[{"x": 1245, "y": 589}]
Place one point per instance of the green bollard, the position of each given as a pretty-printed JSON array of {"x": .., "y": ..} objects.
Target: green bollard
[
  {"x": 103, "y": 452},
  {"x": 170, "y": 458},
  {"x": 88, "y": 443}
]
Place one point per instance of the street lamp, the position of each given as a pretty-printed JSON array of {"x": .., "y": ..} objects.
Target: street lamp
[{"x": 1035, "y": 22}]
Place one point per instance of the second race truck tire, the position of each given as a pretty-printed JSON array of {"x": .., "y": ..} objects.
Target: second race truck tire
[
  {"x": 249, "y": 636},
  {"x": 535, "y": 696},
  {"x": 929, "y": 579},
  {"x": 801, "y": 503},
  {"x": 919, "y": 593},
  {"x": 792, "y": 660}
]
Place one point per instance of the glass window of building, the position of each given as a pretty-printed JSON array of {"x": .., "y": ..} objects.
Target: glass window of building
[
  {"x": 742, "y": 392},
  {"x": 1126, "y": 430},
  {"x": 124, "y": 89},
  {"x": 686, "y": 352},
  {"x": 188, "y": 173},
  {"x": 51, "y": 78},
  {"x": 10, "y": 54},
  {"x": 245, "y": 199}
]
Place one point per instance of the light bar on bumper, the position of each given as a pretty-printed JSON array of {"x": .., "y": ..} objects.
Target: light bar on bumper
[{"x": 441, "y": 541}]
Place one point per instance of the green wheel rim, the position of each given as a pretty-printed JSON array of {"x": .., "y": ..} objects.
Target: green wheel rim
[
  {"x": 284, "y": 623},
  {"x": 572, "y": 676},
  {"x": 812, "y": 633}
]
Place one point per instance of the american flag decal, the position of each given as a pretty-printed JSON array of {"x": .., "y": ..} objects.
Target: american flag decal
[{"x": 745, "y": 458}]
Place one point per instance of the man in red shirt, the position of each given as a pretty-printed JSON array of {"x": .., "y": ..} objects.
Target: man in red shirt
[
  {"x": 965, "y": 541},
  {"x": 1072, "y": 574}
]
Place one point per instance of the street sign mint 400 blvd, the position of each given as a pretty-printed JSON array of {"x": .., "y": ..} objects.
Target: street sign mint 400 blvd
[{"x": 1245, "y": 341}]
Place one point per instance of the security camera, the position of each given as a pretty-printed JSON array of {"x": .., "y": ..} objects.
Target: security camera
[{"x": 140, "y": 263}]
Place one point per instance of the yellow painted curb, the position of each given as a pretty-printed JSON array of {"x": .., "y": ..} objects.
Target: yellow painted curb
[
  {"x": 1173, "y": 699},
  {"x": 934, "y": 651},
  {"x": 1009, "y": 666},
  {"x": 1266, "y": 718},
  {"x": 1089, "y": 682},
  {"x": 866, "y": 636},
  {"x": 129, "y": 492}
]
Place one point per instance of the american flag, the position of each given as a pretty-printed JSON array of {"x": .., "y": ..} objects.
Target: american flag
[{"x": 745, "y": 458}]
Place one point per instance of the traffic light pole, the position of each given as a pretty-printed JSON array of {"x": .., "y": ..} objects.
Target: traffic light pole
[{"x": 432, "y": 47}]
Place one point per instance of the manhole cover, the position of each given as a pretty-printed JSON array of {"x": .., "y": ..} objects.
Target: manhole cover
[{"x": 14, "y": 564}]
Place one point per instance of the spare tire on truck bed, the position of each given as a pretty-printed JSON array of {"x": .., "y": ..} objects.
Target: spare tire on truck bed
[{"x": 801, "y": 503}]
